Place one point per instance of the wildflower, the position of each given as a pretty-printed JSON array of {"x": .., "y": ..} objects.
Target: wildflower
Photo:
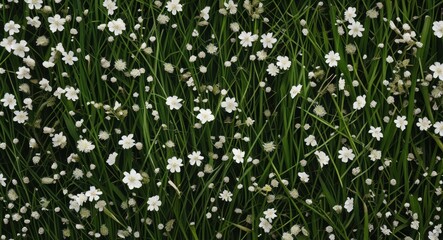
[
  {"x": 375, "y": 155},
  {"x": 226, "y": 196},
  {"x": 154, "y": 203},
  {"x": 376, "y": 132},
  {"x": 332, "y": 59},
  {"x": 229, "y": 104},
  {"x": 195, "y": 158},
  {"x": 322, "y": 158},
  {"x": 349, "y": 204},
  {"x": 283, "y": 62},
  {"x": 270, "y": 214},
  {"x": 437, "y": 68},
  {"x": 304, "y": 177},
  {"x": 20, "y": 116},
  {"x": 111, "y": 158},
  {"x": 71, "y": 93},
  {"x": 437, "y": 27},
  {"x": 23, "y": 72},
  {"x": 2, "y": 180},
  {"x": 360, "y": 102},
  {"x": 20, "y": 48},
  {"x": 267, "y": 40},
  {"x": 265, "y": 224},
  {"x": 174, "y": 6},
  {"x": 127, "y": 142},
  {"x": 269, "y": 146},
  {"x": 310, "y": 140},
  {"x": 120, "y": 65},
  {"x": 93, "y": 194},
  {"x": 117, "y": 26},
  {"x": 356, "y": 29},
  {"x": 174, "y": 102},
  {"x": 7, "y": 43},
  {"x": 424, "y": 124},
  {"x": 401, "y": 122},
  {"x": 238, "y": 155},
  {"x": 346, "y": 154},
  {"x": 231, "y": 6},
  {"x": 350, "y": 14},
  {"x": 385, "y": 230},
  {"x": 205, "y": 116},
  {"x": 320, "y": 111},
  {"x": 205, "y": 13},
  {"x": 174, "y": 164},
  {"x": 246, "y": 38},
  {"x": 438, "y": 128},
  {"x": 9, "y": 100},
  {"x": 56, "y": 23},
  {"x": 11, "y": 27},
  {"x": 69, "y": 58},
  {"x": 295, "y": 90},
  {"x": 132, "y": 179},
  {"x": 59, "y": 140},
  {"x": 85, "y": 146},
  {"x": 110, "y": 5}
]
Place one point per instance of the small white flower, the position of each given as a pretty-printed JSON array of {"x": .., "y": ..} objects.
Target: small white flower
[
  {"x": 154, "y": 203},
  {"x": 268, "y": 40},
  {"x": 247, "y": 38},
  {"x": 295, "y": 90},
  {"x": 332, "y": 59},
  {"x": 231, "y": 6},
  {"x": 265, "y": 224},
  {"x": 85, "y": 146},
  {"x": 111, "y": 158},
  {"x": 304, "y": 177},
  {"x": 117, "y": 26},
  {"x": 20, "y": 116},
  {"x": 205, "y": 116},
  {"x": 310, "y": 141},
  {"x": 195, "y": 158},
  {"x": 93, "y": 194},
  {"x": 376, "y": 132},
  {"x": 349, "y": 204},
  {"x": 174, "y": 6},
  {"x": 424, "y": 124},
  {"x": 59, "y": 140},
  {"x": 356, "y": 29},
  {"x": 272, "y": 69},
  {"x": 350, "y": 14},
  {"x": 238, "y": 155},
  {"x": 322, "y": 158},
  {"x": 229, "y": 104},
  {"x": 283, "y": 62},
  {"x": 174, "y": 102},
  {"x": 226, "y": 196},
  {"x": 437, "y": 27},
  {"x": 437, "y": 69},
  {"x": 11, "y": 27},
  {"x": 127, "y": 142},
  {"x": 400, "y": 122},
  {"x": 360, "y": 102},
  {"x": 174, "y": 164},
  {"x": 9, "y": 100},
  {"x": 56, "y": 23},
  {"x": 346, "y": 154},
  {"x": 132, "y": 179},
  {"x": 2, "y": 180},
  {"x": 438, "y": 128},
  {"x": 270, "y": 214}
]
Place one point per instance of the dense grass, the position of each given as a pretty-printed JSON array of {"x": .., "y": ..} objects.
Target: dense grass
[{"x": 396, "y": 195}]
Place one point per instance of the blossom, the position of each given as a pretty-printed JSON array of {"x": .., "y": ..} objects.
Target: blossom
[
  {"x": 270, "y": 214},
  {"x": 69, "y": 58},
  {"x": 85, "y": 146},
  {"x": 132, "y": 179},
  {"x": 283, "y": 62},
  {"x": 20, "y": 48},
  {"x": 356, "y": 29},
  {"x": 322, "y": 158},
  {"x": 127, "y": 142},
  {"x": 174, "y": 102},
  {"x": 295, "y": 90},
  {"x": 272, "y": 69},
  {"x": 174, "y": 6},
  {"x": 93, "y": 194},
  {"x": 2, "y": 180},
  {"x": 71, "y": 93},
  {"x": 424, "y": 124},
  {"x": 360, "y": 102},
  {"x": 110, "y": 5},
  {"x": 350, "y": 14},
  {"x": 9, "y": 100},
  {"x": 231, "y": 6},
  {"x": 117, "y": 26},
  {"x": 438, "y": 128},
  {"x": 349, "y": 204},
  {"x": 59, "y": 140},
  {"x": 332, "y": 58},
  {"x": 437, "y": 68},
  {"x": 154, "y": 203},
  {"x": 238, "y": 155},
  {"x": 229, "y": 104},
  {"x": 376, "y": 132},
  {"x": 310, "y": 140},
  {"x": 346, "y": 154},
  {"x": 304, "y": 177},
  {"x": 437, "y": 27},
  {"x": 111, "y": 158},
  {"x": 23, "y": 72},
  {"x": 205, "y": 116},
  {"x": 246, "y": 38},
  {"x": 267, "y": 40},
  {"x": 265, "y": 224},
  {"x": 20, "y": 116},
  {"x": 11, "y": 27},
  {"x": 195, "y": 158},
  {"x": 226, "y": 196},
  {"x": 56, "y": 23},
  {"x": 400, "y": 122},
  {"x": 34, "y": 4},
  {"x": 174, "y": 164}
]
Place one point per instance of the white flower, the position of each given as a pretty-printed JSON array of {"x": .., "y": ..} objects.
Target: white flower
[
  {"x": 332, "y": 59},
  {"x": 127, "y": 142},
  {"x": 226, "y": 196},
  {"x": 385, "y": 230},
  {"x": 205, "y": 116},
  {"x": 376, "y": 132},
  {"x": 20, "y": 116},
  {"x": 267, "y": 40},
  {"x": 7, "y": 43},
  {"x": 154, "y": 203},
  {"x": 110, "y": 5},
  {"x": 69, "y": 58},
  {"x": 11, "y": 27},
  {"x": 111, "y": 158},
  {"x": 174, "y": 6},
  {"x": 283, "y": 62},
  {"x": 132, "y": 179},
  {"x": 272, "y": 70},
  {"x": 346, "y": 154},
  {"x": 438, "y": 128},
  {"x": 304, "y": 177},
  {"x": 20, "y": 48},
  {"x": 93, "y": 194},
  {"x": 231, "y": 6},
  {"x": 265, "y": 224},
  {"x": 246, "y": 38},
  {"x": 437, "y": 27},
  {"x": 424, "y": 124},
  {"x": 174, "y": 164},
  {"x": 401, "y": 122},
  {"x": 356, "y": 29},
  {"x": 238, "y": 155},
  {"x": 37, "y": 4},
  {"x": 229, "y": 104},
  {"x": 174, "y": 102},
  {"x": 23, "y": 72},
  {"x": 195, "y": 158},
  {"x": 322, "y": 158},
  {"x": 205, "y": 13},
  {"x": 295, "y": 90},
  {"x": 270, "y": 214},
  {"x": 59, "y": 140},
  {"x": 72, "y": 93},
  {"x": 85, "y": 146},
  {"x": 56, "y": 23},
  {"x": 117, "y": 26},
  {"x": 2, "y": 180},
  {"x": 350, "y": 14},
  {"x": 9, "y": 100},
  {"x": 437, "y": 68},
  {"x": 360, "y": 102},
  {"x": 349, "y": 204},
  {"x": 310, "y": 140}
]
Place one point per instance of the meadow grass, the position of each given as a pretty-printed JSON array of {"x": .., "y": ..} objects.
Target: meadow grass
[{"x": 306, "y": 137}]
